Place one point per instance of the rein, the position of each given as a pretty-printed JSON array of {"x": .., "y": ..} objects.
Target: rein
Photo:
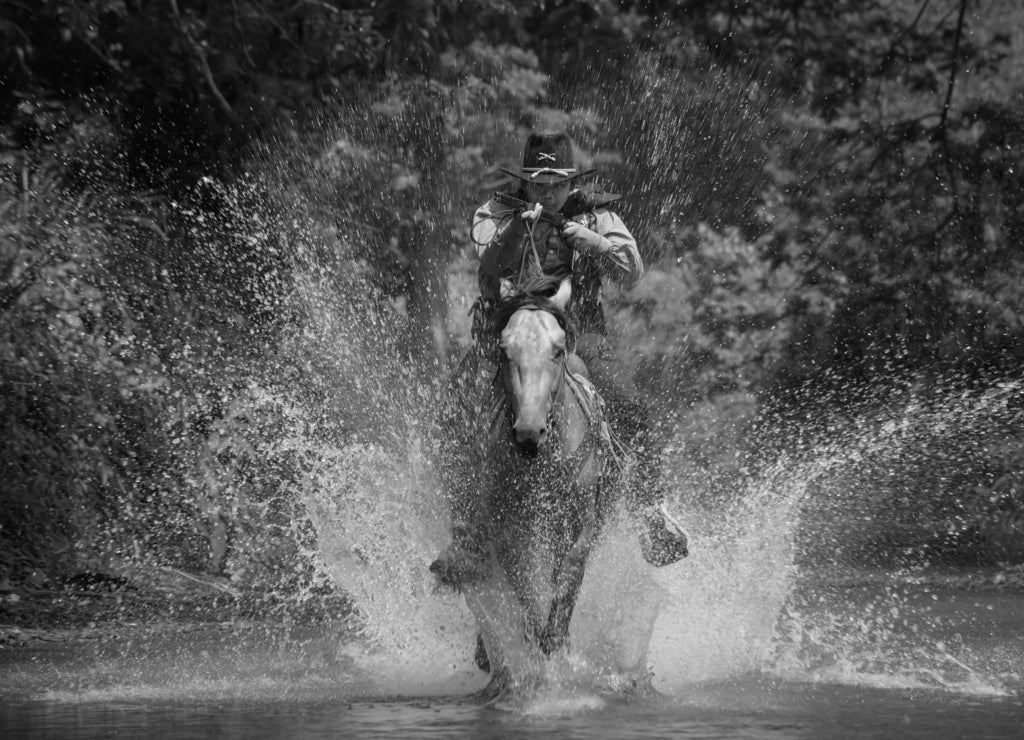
[
  {"x": 589, "y": 402},
  {"x": 526, "y": 253},
  {"x": 597, "y": 434},
  {"x": 598, "y": 428},
  {"x": 591, "y": 405}
]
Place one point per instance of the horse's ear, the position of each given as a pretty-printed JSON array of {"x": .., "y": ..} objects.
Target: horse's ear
[{"x": 564, "y": 293}]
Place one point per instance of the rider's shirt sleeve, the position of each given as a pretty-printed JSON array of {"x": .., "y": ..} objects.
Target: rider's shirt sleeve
[
  {"x": 485, "y": 226},
  {"x": 498, "y": 238},
  {"x": 620, "y": 258},
  {"x": 494, "y": 229}
]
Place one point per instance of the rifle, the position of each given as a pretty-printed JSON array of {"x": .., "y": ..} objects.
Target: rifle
[
  {"x": 573, "y": 207},
  {"x": 519, "y": 206}
]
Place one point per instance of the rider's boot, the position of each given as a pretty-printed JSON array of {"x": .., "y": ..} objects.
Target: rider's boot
[{"x": 663, "y": 540}]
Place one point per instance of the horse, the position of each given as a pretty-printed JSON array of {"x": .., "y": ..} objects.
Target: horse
[{"x": 543, "y": 457}]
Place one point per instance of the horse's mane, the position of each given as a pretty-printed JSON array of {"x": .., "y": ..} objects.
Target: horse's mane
[{"x": 536, "y": 292}]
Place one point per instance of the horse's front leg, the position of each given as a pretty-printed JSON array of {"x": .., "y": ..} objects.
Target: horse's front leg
[
  {"x": 513, "y": 552},
  {"x": 568, "y": 578}
]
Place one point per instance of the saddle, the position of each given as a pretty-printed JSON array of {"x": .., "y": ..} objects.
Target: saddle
[{"x": 618, "y": 459}]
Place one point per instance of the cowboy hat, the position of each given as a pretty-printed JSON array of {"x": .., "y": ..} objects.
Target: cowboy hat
[{"x": 547, "y": 158}]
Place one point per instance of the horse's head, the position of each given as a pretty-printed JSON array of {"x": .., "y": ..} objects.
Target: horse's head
[{"x": 533, "y": 342}]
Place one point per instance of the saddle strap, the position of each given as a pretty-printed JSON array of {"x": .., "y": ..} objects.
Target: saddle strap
[
  {"x": 589, "y": 399},
  {"x": 611, "y": 445}
]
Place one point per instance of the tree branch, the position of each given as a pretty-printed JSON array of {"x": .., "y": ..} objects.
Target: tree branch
[
  {"x": 943, "y": 121},
  {"x": 890, "y": 55},
  {"x": 203, "y": 64},
  {"x": 241, "y": 36},
  {"x": 285, "y": 36},
  {"x": 953, "y": 66}
]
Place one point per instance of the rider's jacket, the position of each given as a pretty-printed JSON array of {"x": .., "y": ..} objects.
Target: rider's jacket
[{"x": 505, "y": 245}]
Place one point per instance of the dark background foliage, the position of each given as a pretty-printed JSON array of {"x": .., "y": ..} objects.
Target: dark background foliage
[{"x": 841, "y": 205}]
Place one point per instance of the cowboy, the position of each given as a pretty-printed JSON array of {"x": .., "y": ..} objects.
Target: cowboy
[{"x": 562, "y": 232}]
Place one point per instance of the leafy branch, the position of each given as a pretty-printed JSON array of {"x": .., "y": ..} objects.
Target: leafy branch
[
  {"x": 204, "y": 65},
  {"x": 944, "y": 119}
]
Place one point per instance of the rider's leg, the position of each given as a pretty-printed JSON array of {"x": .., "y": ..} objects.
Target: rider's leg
[{"x": 663, "y": 539}]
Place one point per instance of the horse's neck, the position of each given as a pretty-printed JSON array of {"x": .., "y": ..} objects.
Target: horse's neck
[{"x": 572, "y": 421}]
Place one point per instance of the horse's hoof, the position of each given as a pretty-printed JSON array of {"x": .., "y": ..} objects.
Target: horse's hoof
[
  {"x": 458, "y": 570},
  {"x": 498, "y": 684},
  {"x": 480, "y": 655}
]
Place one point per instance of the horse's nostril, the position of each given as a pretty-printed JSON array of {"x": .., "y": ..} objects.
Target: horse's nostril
[
  {"x": 529, "y": 448},
  {"x": 528, "y": 440}
]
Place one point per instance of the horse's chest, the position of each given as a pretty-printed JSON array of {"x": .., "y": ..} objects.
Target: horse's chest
[{"x": 540, "y": 489}]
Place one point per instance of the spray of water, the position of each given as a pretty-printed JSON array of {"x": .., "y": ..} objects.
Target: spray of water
[
  {"x": 903, "y": 464},
  {"x": 742, "y": 603}
]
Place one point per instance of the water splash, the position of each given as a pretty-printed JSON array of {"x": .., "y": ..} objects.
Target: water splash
[
  {"x": 898, "y": 464},
  {"x": 745, "y": 602},
  {"x": 378, "y": 536}
]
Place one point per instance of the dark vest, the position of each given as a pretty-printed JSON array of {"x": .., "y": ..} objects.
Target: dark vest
[{"x": 585, "y": 306}]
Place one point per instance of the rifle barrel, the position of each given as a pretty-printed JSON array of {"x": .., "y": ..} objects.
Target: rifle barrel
[{"x": 520, "y": 205}]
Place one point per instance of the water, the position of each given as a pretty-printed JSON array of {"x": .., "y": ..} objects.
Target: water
[
  {"x": 742, "y": 642},
  {"x": 248, "y": 681},
  {"x": 818, "y": 712}
]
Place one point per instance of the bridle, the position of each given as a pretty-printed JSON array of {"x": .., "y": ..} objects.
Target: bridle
[
  {"x": 557, "y": 397},
  {"x": 558, "y": 392}
]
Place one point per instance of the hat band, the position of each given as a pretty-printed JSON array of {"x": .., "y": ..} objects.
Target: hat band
[{"x": 536, "y": 171}]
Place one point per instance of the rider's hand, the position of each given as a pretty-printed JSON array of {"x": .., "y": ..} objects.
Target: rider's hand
[
  {"x": 533, "y": 214},
  {"x": 583, "y": 239}
]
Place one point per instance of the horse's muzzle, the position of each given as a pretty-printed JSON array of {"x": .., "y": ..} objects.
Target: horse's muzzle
[{"x": 529, "y": 439}]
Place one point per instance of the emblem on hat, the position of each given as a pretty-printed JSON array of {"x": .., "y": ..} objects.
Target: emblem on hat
[{"x": 548, "y": 158}]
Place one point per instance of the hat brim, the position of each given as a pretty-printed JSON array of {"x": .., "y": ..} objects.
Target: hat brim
[{"x": 546, "y": 178}]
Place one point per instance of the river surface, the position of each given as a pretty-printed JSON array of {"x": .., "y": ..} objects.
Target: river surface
[{"x": 950, "y": 664}]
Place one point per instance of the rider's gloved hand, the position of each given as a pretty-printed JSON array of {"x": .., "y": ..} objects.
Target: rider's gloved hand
[
  {"x": 533, "y": 214},
  {"x": 583, "y": 239}
]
